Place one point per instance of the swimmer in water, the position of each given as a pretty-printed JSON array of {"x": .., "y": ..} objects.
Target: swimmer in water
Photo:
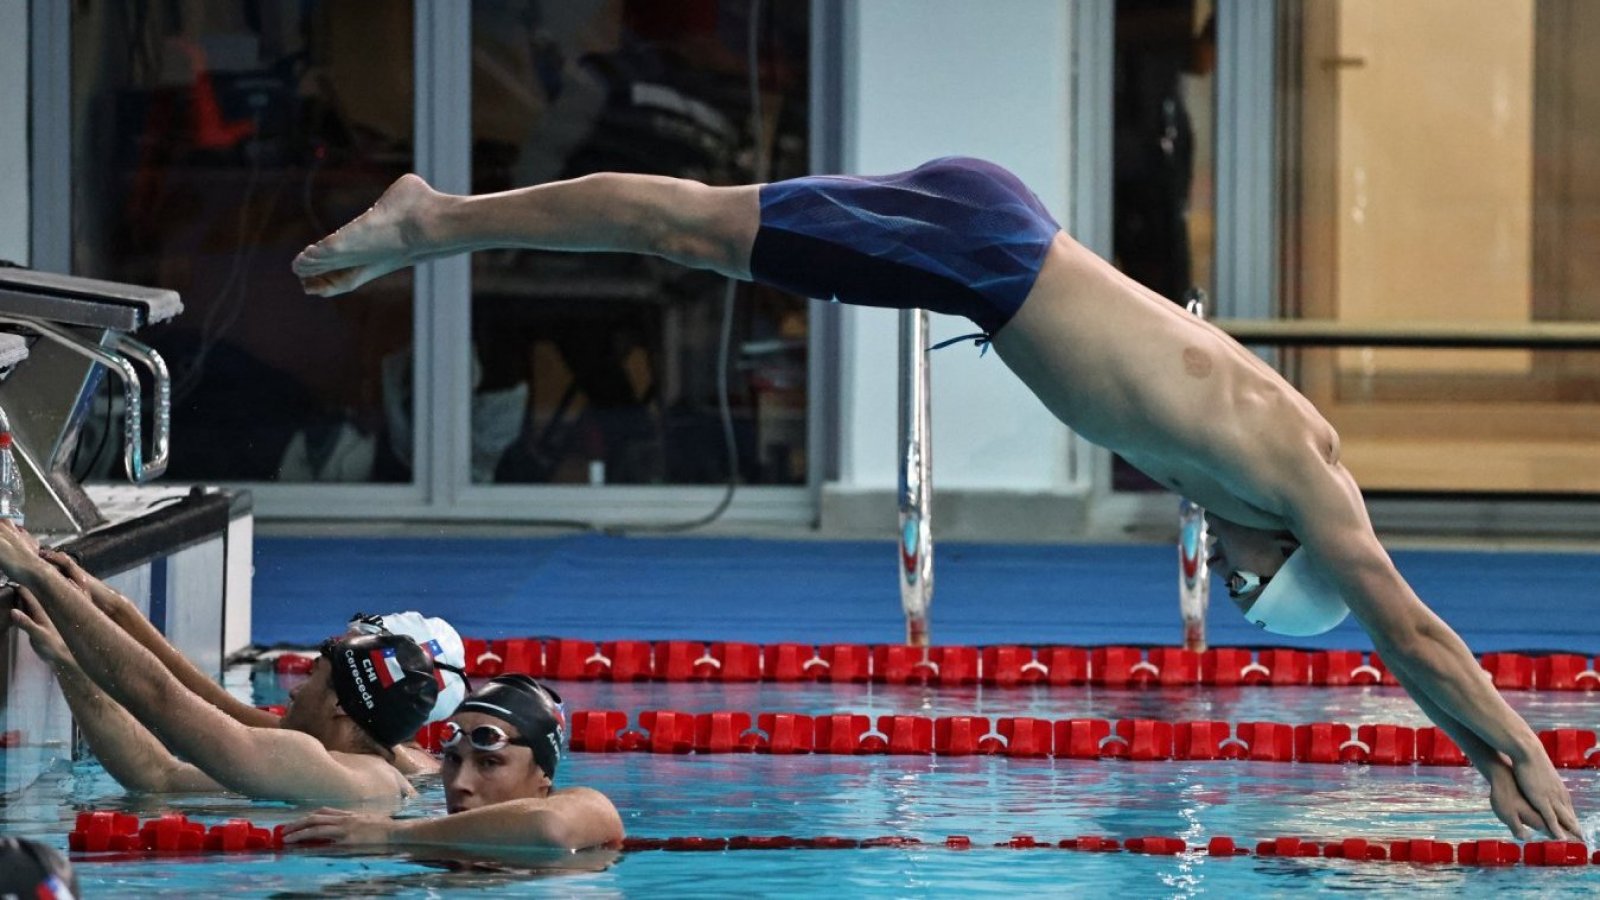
[
  {"x": 366, "y": 694},
  {"x": 32, "y": 870},
  {"x": 433, "y": 634},
  {"x": 501, "y": 749},
  {"x": 1111, "y": 359}
]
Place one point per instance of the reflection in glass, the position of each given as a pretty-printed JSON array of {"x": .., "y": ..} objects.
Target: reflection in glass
[
  {"x": 1164, "y": 126},
  {"x": 594, "y": 368},
  {"x": 211, "y": 141}
]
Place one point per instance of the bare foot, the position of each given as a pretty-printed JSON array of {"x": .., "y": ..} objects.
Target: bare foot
[{"x": 387, "y": 237}]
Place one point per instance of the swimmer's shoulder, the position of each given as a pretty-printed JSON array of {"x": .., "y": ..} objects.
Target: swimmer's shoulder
[
  {"x": 382, "y": 777},
  {"x": 588, "y": 800},
  {"x": 415, "y": 762}
]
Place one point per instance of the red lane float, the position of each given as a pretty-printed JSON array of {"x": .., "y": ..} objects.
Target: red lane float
[
  {"x": 96, "y": 832},
  {"x": 1146, "y": 740},
  {"x": 101, "y": 832},
  {"x": 293, "y": 664},
  {"x": 1417, "y": 851},
  {"x": 567, "y": 659}
]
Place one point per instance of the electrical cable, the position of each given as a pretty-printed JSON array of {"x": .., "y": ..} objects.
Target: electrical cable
[{"x": 725, "y": 340}]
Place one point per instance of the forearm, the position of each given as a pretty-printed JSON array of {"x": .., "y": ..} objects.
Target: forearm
[
  {"x": 129, "y": 752},
  {"x": 113, "y": 660},
  {"x": 1483, "y": 757},
  {"x": 128, "y": 617},
  {"x": 515, "y": 823},
  {"x": 1441, "y": 673}
]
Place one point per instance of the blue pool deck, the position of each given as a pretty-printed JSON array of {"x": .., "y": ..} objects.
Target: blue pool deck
[{"x": 600, "y": 587}]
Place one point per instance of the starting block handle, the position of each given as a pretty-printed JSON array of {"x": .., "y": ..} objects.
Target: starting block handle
[{"x": 140, "y": 470}]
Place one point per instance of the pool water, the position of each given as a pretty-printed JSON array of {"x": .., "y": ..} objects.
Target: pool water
[{"x": 989, "y": 799}]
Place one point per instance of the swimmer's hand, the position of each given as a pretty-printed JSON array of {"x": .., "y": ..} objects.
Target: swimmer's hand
[
  {"x": 340, "y": 826},
  {"x": 19, "y": 552},
  {"x": 1528, "y": 796},
  {"x": 108, "y": 599},
  {"x": 392, "y": 235},
  {"x": 42, "y": 633}
]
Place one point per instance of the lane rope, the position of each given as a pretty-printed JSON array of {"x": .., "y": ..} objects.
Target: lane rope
[
  {"x": 100, "y": 836},
  {"x": 567, "y": 659},
  {"x": 1148, "y": 740}
]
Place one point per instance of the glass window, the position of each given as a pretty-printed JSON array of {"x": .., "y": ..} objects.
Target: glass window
[
  {"x": 1163, "y": 216},
  {"x": 1442, "y": 168},
  {"x": 593, "y": 368},
  {"x": 212, "y": 141}
]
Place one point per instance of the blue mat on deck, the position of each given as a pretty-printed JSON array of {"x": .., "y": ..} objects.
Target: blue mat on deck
[{"x": 599, "y": 587}]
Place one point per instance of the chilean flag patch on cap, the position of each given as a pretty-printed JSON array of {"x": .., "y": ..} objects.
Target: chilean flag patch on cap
[
  {"x": 388, "y": 666},
  {"x": 52, "y": 888},
  {"x": 434, "y": 651}
]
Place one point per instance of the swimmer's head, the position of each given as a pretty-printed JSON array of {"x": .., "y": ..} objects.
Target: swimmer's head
[
  {"x": 383, "y": 683},
  {"x": 1273, "y": 581},
  {"x": 439, "y": 640},
  {"x": 30, "y": 869},
  {"x": 502, "y": 743}
]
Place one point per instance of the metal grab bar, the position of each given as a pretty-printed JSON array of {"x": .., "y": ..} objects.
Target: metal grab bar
[
  {"x": 139, "y": 470},
  {"x": 1194, "y": 575},
  {"x": 1330, "y": 333},
  {"x": 916, "y": 477}
]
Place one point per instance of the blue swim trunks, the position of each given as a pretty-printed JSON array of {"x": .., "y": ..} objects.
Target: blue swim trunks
[{"x": 955, "y": 235}]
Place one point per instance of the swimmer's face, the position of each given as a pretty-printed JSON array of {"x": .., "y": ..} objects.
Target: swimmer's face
[
  {"x": 1247, "y": 558},
  {"x": 474, "y": 778},
  {"x": 312, "y": 703}
]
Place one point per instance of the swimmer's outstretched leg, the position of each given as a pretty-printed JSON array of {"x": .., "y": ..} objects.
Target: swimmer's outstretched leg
[{"x": 684, "y": 221}]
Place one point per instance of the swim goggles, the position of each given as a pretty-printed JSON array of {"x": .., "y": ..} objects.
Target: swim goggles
[
  {"x": 1241, "y": 584},
  {"x": 487, "y": 738}
]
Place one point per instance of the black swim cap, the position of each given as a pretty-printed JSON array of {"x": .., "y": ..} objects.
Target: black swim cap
[
  {"x": 30, "y": 869},
  {"x": 385, "y": 682},
  {"x": 528, "y": 706}
]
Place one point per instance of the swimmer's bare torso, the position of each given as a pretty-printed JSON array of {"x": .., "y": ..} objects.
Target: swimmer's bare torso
[{"x": 1173, "y": 395}]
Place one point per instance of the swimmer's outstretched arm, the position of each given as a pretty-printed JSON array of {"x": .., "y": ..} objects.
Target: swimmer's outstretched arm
[
  {"x": 1329, "y": 517},
  {"x": 681, "y": 220},
  {"x": 573, "y": 819},
  {"x": 122, "y": 611},
  {"x": 129, "y": 752},
  {"x": 267, "y": 763}
]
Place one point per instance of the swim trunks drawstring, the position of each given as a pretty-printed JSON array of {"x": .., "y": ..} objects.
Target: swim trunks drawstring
[{"x": 981, "y": 341}]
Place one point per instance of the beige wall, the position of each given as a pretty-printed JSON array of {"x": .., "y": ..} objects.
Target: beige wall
[{"x": 1434, "y": 168}]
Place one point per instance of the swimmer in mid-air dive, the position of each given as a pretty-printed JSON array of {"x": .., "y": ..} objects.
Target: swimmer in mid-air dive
[
  {"x": 500, "y": 748},
  {"x": 1117, "y": 363},
  {"x": 367, "y": 693}
]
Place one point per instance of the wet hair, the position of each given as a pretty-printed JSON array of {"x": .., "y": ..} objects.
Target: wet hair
[
  {"x": 31, "y": 869},
  {"x": 384, "y": 682},
  {"x": 534, "y": 710}
]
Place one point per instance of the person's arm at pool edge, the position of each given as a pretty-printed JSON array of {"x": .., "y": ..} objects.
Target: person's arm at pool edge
[
  {"x": 1328, "y": 516},
  {"x": 572, "y": 819},
  {"x": 266, "y": 763},
  {"x": 122, "y": 611},
  {"x": 127, "y": 751}
]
